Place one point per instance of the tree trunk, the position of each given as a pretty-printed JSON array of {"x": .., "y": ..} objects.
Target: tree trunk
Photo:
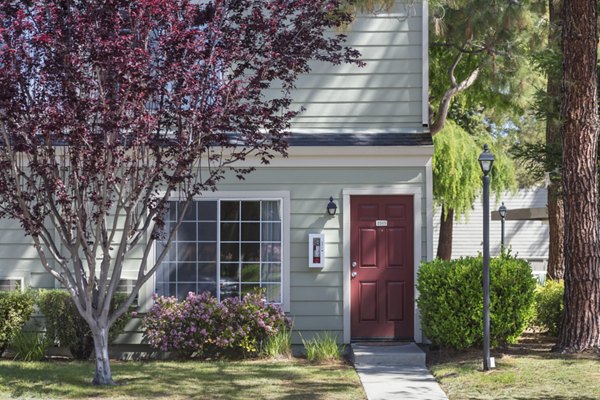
[
  {"x": 103, "y": 375},
  {"x": 444, "y": 250},
  {"x": 580, "y": 327},
  {"x": 556, "y": 257}
]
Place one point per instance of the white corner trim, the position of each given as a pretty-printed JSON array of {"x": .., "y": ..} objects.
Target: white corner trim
[
  {"x": 429, "y": 205},
  {"x": 416, "y": 192},
  {"x": 425, "y": 57}
]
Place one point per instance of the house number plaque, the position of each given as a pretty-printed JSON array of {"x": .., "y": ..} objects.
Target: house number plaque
[{"x": 381, "y": 222}]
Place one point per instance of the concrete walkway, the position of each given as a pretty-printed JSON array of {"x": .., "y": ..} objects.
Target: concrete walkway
[{"x": 395, "y": 371}]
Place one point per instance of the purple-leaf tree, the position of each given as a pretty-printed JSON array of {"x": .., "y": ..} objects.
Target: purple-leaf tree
[{"x": 109, "y": 107}]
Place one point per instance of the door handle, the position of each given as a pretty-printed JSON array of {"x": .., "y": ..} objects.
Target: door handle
[
  {"x": 353, "y": 274},
  {"x": 354, "y": 264}
]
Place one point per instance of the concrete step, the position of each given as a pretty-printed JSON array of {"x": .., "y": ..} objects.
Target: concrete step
[{"x": 388, "y": 354}]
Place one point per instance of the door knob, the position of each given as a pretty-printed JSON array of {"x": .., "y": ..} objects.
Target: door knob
[
  {"x": 354, "y": 274},
  {"x": 354, "y": 264}
]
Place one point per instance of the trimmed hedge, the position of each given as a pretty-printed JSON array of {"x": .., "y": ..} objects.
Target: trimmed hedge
[
  {"x": 451, "y": 300},
  {"x": 549, "y": 305},
  {"x": 201, "y": 326},
  {"x": 16, "y": 308},
  {"x": 66, "y": 327}
]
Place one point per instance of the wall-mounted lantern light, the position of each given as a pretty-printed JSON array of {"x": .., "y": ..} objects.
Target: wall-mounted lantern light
[
  {"x": 502, "y": 211},
  {"x": 331, "y": 207}
]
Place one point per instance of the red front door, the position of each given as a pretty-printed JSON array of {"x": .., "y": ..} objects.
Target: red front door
[{"x": 382, "y": 267}]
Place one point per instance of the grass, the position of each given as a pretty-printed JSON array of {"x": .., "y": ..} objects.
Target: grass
[
  {"x": 322, "y": 348},
  {"x": 527, "y": 370},
  {"x": 258, "y": 379}
]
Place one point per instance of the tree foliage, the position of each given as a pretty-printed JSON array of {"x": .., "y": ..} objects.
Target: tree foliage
[
  {"x": 109, "y": 108},
  {"x": 456, "y": 170}
]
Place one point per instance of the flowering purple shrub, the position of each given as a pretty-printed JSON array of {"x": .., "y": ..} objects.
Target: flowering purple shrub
[{"x": 201, "y": 326}]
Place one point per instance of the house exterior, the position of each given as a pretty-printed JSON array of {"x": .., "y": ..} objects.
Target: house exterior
[
  {"x": 363, "y": 141},
  {"x": 526, "y": 234}
]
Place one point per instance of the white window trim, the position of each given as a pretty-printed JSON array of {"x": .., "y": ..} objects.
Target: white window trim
[
  {"x": 347, "y": 193},
  {"x": 283, "y": 196},
  {"x": 24, "y": 280}
]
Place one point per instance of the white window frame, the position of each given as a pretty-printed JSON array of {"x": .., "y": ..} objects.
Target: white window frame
[
  {"x": 21, "y": 280},
  {"x": 283, "y": 197}
]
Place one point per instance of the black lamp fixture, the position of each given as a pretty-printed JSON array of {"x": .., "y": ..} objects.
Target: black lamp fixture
[
  {"x": 502, "y": 211},
  {"x": 331, "y": 206},
  {"x": 486, "y": 159}
]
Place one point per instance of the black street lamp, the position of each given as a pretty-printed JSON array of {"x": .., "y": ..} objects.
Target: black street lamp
[
  {"x": 486, "y": 159},
  {"x": 502, "y": 211}
]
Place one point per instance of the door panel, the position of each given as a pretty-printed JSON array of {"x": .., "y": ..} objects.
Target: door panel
[{"x": 381, "y": 250}]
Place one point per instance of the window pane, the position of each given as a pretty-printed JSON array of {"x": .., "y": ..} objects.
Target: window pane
[
  {"x": 271, "y": 231},
  {"x": 190, "y": 211},
  {"x": 250, "y": 211},
  {"x": 208, "y": 287},
  {"x": 250, "y": 272},
  {"x": 162, "y": 288},
  {"x": 207, "y": 252},
  {"x": 230, "y": 232},
  {"x": 186, "y": 272},
  {"x": 249, "y": 288},
  {"x": 186, "y": 252},
  {"x": 186, "y": 232},
  {"x": 230, "y": 272},
  {"x": 250, "y": 252},
  {"x": 207, "y": 272},
  {"x": 184, "y": 288},
  {"x": 230, "y": 251},
  {"x": 230, "y": 211},
  {"x": 170, "y": 253},
  {"x": 172, "y": 215},
  {"x": 207, "y": 210},
  {"x": 271, "y": 252},
  {"x": 250, "y": 232},
  {"x": 271, "y": 272},
  {"x": 270, "y": 211},
  {"x": 207, "y": 231},
  {"x": 230, "y": 290},
  {"x": 273, "y": 293}
]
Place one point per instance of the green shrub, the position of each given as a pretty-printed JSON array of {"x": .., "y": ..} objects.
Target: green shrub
[
  {"x": 66, "y": 327},
  {"x": 30, "y": 345},
  {"x": 549, "y": 305},
  {"x": 16, "y": 308},
  {"x": 278, "y": 345},
  {"x": 322, "y": 348},
  {"x": 451, "y": 300}
]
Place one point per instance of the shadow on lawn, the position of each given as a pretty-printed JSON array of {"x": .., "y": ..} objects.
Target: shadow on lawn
[
  {"x": 530, "y": 344},
  {"x": 214, "y": 380}
]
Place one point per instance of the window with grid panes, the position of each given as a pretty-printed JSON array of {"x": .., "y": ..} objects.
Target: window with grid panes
[{"x": 226, "y": 247}]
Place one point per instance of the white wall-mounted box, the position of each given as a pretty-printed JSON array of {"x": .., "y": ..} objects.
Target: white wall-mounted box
[{"x": 316, "y": 250}]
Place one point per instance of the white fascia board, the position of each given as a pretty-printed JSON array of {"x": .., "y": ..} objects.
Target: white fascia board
[{"x": 354, "y": 156}]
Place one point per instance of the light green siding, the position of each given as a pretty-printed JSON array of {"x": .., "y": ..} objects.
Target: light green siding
[{"x": 386, "y": 93}]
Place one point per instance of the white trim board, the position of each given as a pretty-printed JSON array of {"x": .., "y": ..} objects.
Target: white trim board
[{"x": 416, "y": 192}]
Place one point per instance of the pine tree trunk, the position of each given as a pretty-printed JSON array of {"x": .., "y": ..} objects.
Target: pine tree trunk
[
  {"x": 444, "y": 250},
  {"x": 580, "y": 327},
  {"x": 103, "y": 375},
  {"x": 556, "y": 257}
]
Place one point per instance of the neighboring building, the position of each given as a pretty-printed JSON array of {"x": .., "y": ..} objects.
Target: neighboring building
[
  {"x": 363, "y": 141},
  {"x": 526, "y": 238}
]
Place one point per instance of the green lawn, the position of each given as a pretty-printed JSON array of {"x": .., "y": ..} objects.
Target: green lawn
[
  {"x": 263, "y": 379},
  {"x": 527, "y": 371}
]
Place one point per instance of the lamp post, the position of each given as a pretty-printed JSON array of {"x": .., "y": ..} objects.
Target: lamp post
[
  {"x": 502, "y": 211},
  {"x": 486, "y": 159}
]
